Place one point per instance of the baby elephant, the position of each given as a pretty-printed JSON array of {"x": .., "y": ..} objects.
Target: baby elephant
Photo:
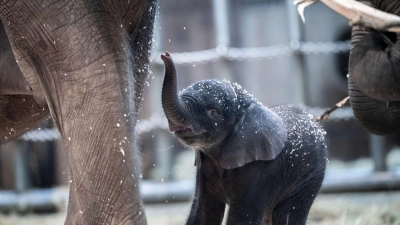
[{"x": 267, "y": 164}]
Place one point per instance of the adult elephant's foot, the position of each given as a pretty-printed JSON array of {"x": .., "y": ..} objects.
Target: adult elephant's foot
[
  {"x": 110, "y": 215},
  {"x": 119, "y": 205},
  {"x": 74, "y": 220}
]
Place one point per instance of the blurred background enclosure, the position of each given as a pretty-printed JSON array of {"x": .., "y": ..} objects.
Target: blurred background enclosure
[
  {"x": 261, "y": 44},
  {"x": 265, "y": 47}
]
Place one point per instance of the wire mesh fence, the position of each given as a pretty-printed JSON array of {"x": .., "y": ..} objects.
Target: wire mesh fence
[{"x": 159, "y": 121}]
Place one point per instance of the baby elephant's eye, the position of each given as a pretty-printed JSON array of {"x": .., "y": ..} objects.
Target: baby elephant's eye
[{"x": 213, "y": 113}]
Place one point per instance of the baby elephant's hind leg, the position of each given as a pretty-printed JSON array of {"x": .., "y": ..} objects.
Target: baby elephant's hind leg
[
  {"x": 294, "y": 210},
  {"x": 248, "y": 210}
]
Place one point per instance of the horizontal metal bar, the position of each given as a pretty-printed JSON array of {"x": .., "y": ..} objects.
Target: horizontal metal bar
[
  {"x": 56, "y": 198},
  {"x": 258, "y": 53},
  {"x": 39, "y": 199},
  {"x": 153, "y": 191},
  {"x": 359, "y": 181},
  {"x": 158, "y": 121}
]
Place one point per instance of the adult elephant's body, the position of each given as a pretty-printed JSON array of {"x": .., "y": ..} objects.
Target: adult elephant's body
[
  {"x": 85, "y": 62},
  {"x": 374, "y": 68}
]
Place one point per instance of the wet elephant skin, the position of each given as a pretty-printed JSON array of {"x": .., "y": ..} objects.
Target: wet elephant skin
[{"x": 267, "y": 164}]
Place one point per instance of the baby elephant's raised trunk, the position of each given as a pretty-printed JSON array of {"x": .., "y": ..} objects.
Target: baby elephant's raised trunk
[{"x": 171, "y": 103}]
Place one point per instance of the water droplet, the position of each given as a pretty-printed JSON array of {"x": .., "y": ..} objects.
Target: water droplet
[{"x": 122, "y": 151}]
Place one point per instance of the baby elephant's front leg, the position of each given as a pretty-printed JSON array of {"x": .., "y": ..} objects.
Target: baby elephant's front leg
[{"x": 206, "y": 208}]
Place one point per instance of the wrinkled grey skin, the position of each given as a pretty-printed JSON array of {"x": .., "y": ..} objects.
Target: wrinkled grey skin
[
  {"x": 267, "y": 164},
  {"x": 85, "y": 63},
  {"x": 374, "y": 69}
]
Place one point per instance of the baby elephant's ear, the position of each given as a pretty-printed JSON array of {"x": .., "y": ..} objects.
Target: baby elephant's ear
[{"x": 260, "y": 134}]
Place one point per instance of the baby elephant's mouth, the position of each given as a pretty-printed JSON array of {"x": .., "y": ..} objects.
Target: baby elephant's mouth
[
  {"x": 185, "y": 130},
  {"x": 175, "y": 128},
  {"x": 189, "y": 138}
]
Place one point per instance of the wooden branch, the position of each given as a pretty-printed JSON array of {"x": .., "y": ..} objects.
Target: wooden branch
[
  {"x": 326, "y": 114},
  {"x": 360, "y": 14}
]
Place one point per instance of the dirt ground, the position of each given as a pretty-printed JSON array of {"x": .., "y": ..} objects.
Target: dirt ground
[
  {"x": 372, "y": 208},
  {"x": 381, "y": 208}
]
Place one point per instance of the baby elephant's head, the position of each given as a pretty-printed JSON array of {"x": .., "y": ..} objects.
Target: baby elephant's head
[
  {"x": 221, "y": 114},
  {"x": 209, "y": 110}
]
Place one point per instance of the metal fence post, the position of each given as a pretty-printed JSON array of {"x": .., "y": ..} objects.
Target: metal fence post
[
  {"x": 222, "y": 36},
  {"x": 21, "y": 166},
  {"x": 376, "y": 146},
  {"x": 300, "y": 70}
]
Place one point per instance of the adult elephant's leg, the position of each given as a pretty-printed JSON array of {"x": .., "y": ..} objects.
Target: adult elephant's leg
[
  {"x": 19, "y": 110},
  {"x": 88, "y": 59}
]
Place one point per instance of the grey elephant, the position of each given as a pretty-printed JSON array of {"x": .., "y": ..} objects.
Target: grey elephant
[
  {"x": 85, "y": 64},
  {"x": 374, "y": 75},
  {"x": 267, "y": 164}
]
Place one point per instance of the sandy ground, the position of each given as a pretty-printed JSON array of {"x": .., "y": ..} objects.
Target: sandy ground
[{"x": 382, "y": 208}]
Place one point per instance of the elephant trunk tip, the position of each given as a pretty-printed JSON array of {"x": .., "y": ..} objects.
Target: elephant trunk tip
[
  {"x": 169, "y": 64},
  {"x": 166, "y": 56}
]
